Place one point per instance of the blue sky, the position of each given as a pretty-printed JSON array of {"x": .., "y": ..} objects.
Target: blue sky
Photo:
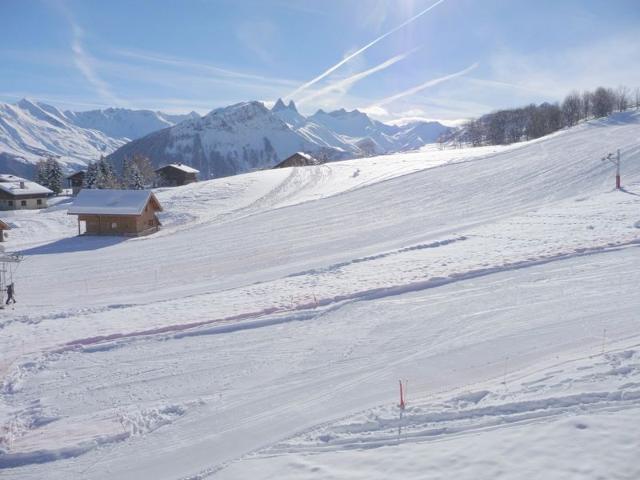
[{"x": 443, "y": 59}]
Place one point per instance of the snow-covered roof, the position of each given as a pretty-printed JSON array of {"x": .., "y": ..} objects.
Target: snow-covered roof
[
  {"x": 111, "y": 202},
  {"x": 182, "y": 167},
  {"x": 18, "y": 186},
  {"x": 78, "y": 173},
  {"x": 305, "y": 155}
]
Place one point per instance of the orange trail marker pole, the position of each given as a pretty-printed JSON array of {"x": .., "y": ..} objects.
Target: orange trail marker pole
[{"x": 401, "y": 395}]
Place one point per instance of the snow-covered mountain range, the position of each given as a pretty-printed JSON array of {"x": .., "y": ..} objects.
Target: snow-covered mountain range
[
  {"x": 249, "y": 136},
  {"x": 29, "y": 130},
  {"x": 125, "y": 123},
  {"x": 226, "y": 141}
]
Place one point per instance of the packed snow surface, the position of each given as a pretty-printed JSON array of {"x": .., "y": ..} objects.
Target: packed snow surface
[{"x": 263, "y": 331}]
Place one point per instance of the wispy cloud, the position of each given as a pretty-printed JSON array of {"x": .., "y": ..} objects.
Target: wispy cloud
[
  {"x": 418, "y": 88},
  {"x": 343, "y": 86},
  {"x": 193, "y": 64},
  {"x": 84, "y": 62},
  {"x": 332, "y": 69}
]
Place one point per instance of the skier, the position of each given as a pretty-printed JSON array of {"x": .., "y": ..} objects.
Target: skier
[{"x": 10, "y": 294}]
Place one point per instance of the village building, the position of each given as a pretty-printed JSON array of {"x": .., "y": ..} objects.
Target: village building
[
  {"x": 17, "y": 193},
  {"x": 298, "y": 159},
  {"x": 176, "y": 174},
  {"x": 116, "y": 212},
  {"x": 4, "y": 226},
  {"x": 76, "y": 182}
]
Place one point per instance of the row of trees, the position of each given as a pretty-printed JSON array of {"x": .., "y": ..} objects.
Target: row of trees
[
  {"x": 534, "y": 121},
  {"x": 136, "y": 174}
]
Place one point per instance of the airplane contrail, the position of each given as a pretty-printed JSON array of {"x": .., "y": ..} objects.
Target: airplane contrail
[
  {"x": 358, "y": 52},
  {"x": 422, "y": 86},
  {"x": 344, "y": 84}
]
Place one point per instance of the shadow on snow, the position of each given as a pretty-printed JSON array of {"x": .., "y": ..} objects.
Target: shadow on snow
[{"x": 75, "y": 244}]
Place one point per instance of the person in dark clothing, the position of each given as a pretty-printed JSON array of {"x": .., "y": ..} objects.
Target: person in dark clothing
[{"x": 10, "y": 294}]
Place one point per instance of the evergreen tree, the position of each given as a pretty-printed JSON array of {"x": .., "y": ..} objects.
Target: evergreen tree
[
  {"x": 106, "y": 177},
  {"x": 136, "y": 182},
  {"x": 126, "y": 173},
  {"x": 91, "y": 177},
  {"x": 54, "y": 175},
  {"x": 131, "y": 176},
  {"x": 42, "y": 176},
  {"x": 147, "y": 172}
]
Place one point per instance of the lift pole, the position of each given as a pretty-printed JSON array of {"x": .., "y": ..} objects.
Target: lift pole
[{"x": 616, "y": 162}]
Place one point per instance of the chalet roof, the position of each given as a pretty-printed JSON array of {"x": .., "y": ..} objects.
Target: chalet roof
[
  {"x": 4, "y": 225},
  {"x": 181, "y": 167},
  {"x": 79, "y": 173},
  {"x": 112, "y": 202},
  {"x": 18, "y": 186},
  {"x": 305, "y": 155},
  {"x": 293, "y": 160}
]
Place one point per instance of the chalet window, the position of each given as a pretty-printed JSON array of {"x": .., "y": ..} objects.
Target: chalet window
[
  {"x": 11, "y": 203},
  {"x": 114, "y": 225},
  {"x": 23, "y": 203},
  {"x": 39, "y": 201}
]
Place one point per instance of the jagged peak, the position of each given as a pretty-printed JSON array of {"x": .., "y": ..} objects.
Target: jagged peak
[
  {"x": 346, "y": 113},
  {"x": 27, "y": 103},
  {"x": 279, "y": 105},
  {"x": 292, "y": 106},
  {"x": 240, "y": 112}
]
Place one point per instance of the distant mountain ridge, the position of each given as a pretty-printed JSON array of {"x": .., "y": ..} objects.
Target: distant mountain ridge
[
  {"x": 30, "y": 130},
  {"x": 249, "y": 136},
  {"x": 125, "y": 123},
  {"x": 226, "y": 141}
]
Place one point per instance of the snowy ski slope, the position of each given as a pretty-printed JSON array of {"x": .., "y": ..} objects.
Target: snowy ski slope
[{"x": 262, "y": 332}]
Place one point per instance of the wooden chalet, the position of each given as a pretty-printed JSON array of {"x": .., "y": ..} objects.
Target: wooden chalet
[
  {"x": 17, "y": 193},
  {"x": 298, "y": 159},
  {"x": 76, "y": 182},
  {"x": 116, "y": 212},
  {"x": 176, "y": 174}
]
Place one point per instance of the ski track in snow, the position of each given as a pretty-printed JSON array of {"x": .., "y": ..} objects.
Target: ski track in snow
[
  {"x": 537, "y": 398},
  {"x": 328, "y": 261}
]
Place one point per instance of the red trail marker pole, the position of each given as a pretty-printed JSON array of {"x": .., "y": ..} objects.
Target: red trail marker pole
[{"x": 401, "y": 395}]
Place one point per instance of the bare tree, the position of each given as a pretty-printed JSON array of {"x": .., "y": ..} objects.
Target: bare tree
[
  {"x": 622, "y": 98},
  {"x": 572, "y": 109},
  {"x": 587, "y": 105},
  {"x": 637, "y": 96},
  {"x": 604, "y": 102},
  {"x": 473, "y": 130}
]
